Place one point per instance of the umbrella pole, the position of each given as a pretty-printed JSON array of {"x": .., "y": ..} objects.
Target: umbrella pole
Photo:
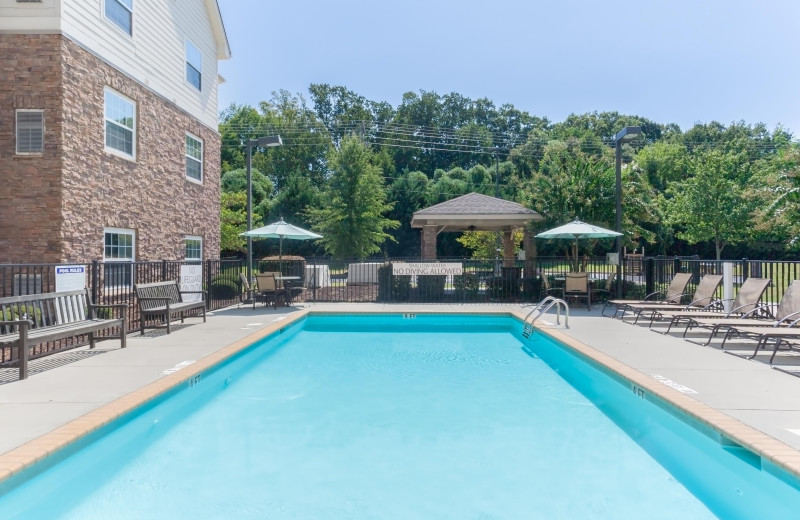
[
  {"x": 280, "y": 256},
  {"x": 577, "y": 268}
]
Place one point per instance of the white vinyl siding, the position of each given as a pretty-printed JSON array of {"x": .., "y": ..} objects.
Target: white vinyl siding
[
  {"x": 194, "y": 158},
  {"x": 118, "y": 256},
  {"x": 155, "y": 56},
  {"x": 194, "y": 248},
  {"x": 194, "y": 65},
  {"x": 120, "y": 115},
  {"x": 120, "y": 13},
  {"x": 30, "y": 131}
]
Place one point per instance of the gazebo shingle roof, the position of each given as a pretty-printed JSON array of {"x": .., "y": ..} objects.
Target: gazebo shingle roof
[
  {"x": 477, "y": 204},
  {"x": 475, "y": 212}
]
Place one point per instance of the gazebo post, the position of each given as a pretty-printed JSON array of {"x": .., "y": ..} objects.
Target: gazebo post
[
  {"x": 428, "y": 249},
  {"x": 529, "y": 246},
  {"x": 508, "y": 249}
]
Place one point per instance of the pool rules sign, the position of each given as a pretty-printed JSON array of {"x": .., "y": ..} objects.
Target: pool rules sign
[{"x": 70, "y": 278}]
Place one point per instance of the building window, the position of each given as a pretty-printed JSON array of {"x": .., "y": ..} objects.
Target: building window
[
  {"x": 194, "y": 158},
  {"x": 120, "y": 12},
  {"x": 118, "y": 256},
  {"x": 120, "y": 113},
  {"x": 194, "y": 248},
  {"x": 30, "y": 131},
  {"x": 194, "y": 65}
]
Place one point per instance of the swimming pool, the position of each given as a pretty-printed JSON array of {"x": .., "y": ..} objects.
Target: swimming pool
[{"x": 403, "y": 416}]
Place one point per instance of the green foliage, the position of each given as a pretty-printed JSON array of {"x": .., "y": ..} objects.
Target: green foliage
[
  {"x": 392, "y": 288},
  {"x": 351, "y": 217},
  {"x": 233, "y": 221},
  {"x": 223, "y": 288},
  {"x": 710, "y": 205},
  {"x": 434, "y": 147},
  {"x": 466, "y": 286},
  {"x": 431, "y": 288}
]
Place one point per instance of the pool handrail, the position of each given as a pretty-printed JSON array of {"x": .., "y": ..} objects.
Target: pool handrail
[{"x": 541, "y": 308}]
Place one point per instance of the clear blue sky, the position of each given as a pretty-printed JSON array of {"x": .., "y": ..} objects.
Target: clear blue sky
[{"x": 672, "y": 61}]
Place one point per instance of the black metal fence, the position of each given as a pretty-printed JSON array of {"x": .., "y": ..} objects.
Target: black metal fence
[{"x": 329, "y": 280}]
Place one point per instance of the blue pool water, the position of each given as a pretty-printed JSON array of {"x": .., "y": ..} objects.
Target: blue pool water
[{"x": 434, "y": 417}]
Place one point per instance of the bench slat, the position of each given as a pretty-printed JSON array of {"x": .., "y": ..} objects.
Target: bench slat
[{"x": 55, "y": 316}]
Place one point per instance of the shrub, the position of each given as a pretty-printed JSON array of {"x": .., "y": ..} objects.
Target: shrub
[
  {"x": 531, "y": 287},
  {"x": 392, "y": 288},
  {"x": 431, "y": 288},
  {"x": 466, "y": 286},
  {"x": 224, "y": 288}
]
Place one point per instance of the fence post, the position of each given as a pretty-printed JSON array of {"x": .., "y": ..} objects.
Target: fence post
[
  {"x": 95, "y": 281},
  {"x": 745, "y": 269},
  {"x": 649, "y": 275},
  {"x": 207, "y": 268},
  {"x": 163, "y": 270}
]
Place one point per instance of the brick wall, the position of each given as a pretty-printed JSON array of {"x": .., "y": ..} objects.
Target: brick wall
[
  {"x": 30, "y": 185},
  {"x": 150, "y": 195},
  {"x": 76, "y": 189}
]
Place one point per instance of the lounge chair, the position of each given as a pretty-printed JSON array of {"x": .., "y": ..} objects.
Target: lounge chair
[
  {"x": 782, "y": 329},
  {"x": 702, "y": 299},
  {"x": 576, "y": 285},
  {"x": 744, "y": 306},
  {"x": 673, "y": 295}
]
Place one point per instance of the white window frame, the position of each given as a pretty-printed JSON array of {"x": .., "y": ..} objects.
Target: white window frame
[
  {"x": 106, "y": 121},
  {"x": 122, "y": 4},
  {"x": 192, "y": 238},
  {"x": 195, "y": 159},
  {"x": 16, "y": 131},
  {"x": 198, "y": 66},
  {"x": 117, "y": 260}
]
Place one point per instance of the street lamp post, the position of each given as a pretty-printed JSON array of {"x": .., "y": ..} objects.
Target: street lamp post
[
  {"x": 261, "y": 142},
  {"x": 626, "y": 133}
]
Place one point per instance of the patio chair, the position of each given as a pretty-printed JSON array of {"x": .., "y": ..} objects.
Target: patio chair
[
  {"x": 703, "y": 299},
  {"x": 246, "y": 294},
  {"x": 549, "y": 290},
  {"x": 607, "y": 289},
  {"x": 267, "y": 290},
  {"x": 576, "y": 286},
  {"x": 674, "y": 294},
  {"x": 744, "y": 306}
]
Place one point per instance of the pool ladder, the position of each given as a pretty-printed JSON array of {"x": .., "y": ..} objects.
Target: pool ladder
[{"x": 541, "y": 308}]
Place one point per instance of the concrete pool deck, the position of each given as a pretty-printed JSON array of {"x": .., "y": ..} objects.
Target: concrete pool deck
[{"x": 71, "y": 393}]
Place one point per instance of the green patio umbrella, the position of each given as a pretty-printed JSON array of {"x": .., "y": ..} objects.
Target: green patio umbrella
[{"x": 576, "y": 230}]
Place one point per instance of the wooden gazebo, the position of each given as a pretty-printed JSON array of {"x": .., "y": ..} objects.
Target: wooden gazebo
[{"x": 476, "y": 212}]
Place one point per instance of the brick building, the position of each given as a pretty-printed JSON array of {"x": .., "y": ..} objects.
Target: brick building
[{"x": 109, "y": 147}]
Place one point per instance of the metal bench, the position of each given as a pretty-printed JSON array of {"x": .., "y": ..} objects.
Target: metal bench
[
  {"x": 164, "y": 300},
  {"x": 38, "y": 318}
]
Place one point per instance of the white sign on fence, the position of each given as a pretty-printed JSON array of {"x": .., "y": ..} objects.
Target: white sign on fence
[
  {"x": 427, "y": 268},
  {"x": 192, "y": 280},
  {"x": 70, "y": 278}
]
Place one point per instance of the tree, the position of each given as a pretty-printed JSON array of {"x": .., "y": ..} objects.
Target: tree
[
  {"x": 711, "y": 204},
  {"x": 483, "y": 244},
  {"x": 351, "y": 217},
  {"x": 232, "y": 221},
  {"x": 235, "y": 181}
]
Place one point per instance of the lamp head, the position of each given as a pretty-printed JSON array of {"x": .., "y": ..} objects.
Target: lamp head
[
  {"x": 270, "y": 140},
  {"x": 627, "y": 133}
]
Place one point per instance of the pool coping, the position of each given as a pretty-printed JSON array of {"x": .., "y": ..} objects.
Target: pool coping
[{"x": 731, "y": 431}]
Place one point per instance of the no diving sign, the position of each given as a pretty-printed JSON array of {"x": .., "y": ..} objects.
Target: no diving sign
[{"x": 70, "y": 278}]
